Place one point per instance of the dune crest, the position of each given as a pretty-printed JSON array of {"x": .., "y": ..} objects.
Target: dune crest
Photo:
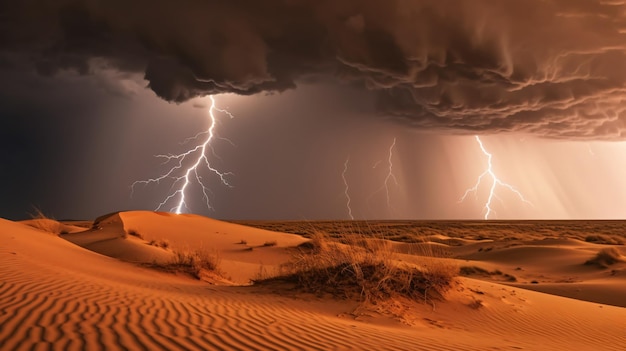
[{"x": 55, "y": 294}]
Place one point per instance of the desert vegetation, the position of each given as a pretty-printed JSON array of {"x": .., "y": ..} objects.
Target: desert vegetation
[
  {"x": 606, "y": 257},
  {"x": 475, "y": 271},
  {"x": 363, "y": 269},
  {"x": 164, "y": 244},
  {"x": 605, "y": 239},
  {"x": 370, "y": 290},
  {"x": 409, "y": 231},
  {"x": 270, "y": 243},
  {"x": 135, "y": 233},
  {"x": 199, "y": 264},
  {"x": 46, "y": 223}
]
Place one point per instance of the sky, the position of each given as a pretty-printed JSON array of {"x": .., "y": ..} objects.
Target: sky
[{"x": 337, "y": 109}]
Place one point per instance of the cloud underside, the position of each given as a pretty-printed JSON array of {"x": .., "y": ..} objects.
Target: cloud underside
[{"x": 550, "y": 68}]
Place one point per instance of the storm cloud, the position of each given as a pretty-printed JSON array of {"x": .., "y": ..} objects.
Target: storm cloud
[{"x": 551, "y": 68}]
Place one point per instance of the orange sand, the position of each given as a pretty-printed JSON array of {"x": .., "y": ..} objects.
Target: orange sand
[{"x": 81, "y": 293}]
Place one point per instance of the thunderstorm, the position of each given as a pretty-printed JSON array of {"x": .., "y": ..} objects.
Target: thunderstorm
[
  {"x": 495, "y": 182},
  {"x": 182, "y": 176}
]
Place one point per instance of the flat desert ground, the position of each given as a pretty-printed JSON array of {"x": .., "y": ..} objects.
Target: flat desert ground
[{"x": 93, "y": 285}]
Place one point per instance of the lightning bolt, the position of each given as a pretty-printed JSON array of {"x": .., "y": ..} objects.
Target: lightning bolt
[
  {"x": 390, "y": 174},
  {"x": 182, "y": 177},
  {"x": 388, "y": 178},
  {"x": 494, "y": 183},
  {"x": 346, "y": 189}
]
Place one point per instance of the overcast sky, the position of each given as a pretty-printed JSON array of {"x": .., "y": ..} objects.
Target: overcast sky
[{"x": 349, "y": 108}]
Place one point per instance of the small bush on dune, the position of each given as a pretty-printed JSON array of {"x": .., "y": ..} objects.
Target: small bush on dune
[
  {"x": 164, "y": 244},
  {"x": 604, "y": 239},
  {"x": 606, "y": 257},
  {"x": 195, "y": 262},
  {"x": 199, "y": 264},
  {"x": 473, "y": 270},
  {"x": 48, "y": 225},
  {"x": 133, "y": 232},
  {"x": 470, "y": 271},
  {"x": 45, "y": 223},
  {"x": 364, "y": 269}
]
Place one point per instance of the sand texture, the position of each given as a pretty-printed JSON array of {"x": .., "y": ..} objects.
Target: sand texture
[{"x": 95, "y": 290}]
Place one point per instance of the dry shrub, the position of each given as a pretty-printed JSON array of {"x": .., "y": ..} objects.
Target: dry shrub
[
  {"x": 135, "y": 233},
  {"x": 473, "y": 270},
  {"x": 45, "y": 223},
  {"x": 270, "y": 243},
  {"x": 164, "y": 244},
  {"x": 469, "y": 271},
  {"x": 199, "y": 264},
  {"x": 363, "y": 269},
  {"x": 606, "y": 257},
  {"x": 195, "y": 262},
  {"x": 48, "y": 226},
  {"x": 604, "y": 239}
]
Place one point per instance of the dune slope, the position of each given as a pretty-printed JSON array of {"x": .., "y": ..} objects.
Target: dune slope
[{"x": 55, "y": 294}]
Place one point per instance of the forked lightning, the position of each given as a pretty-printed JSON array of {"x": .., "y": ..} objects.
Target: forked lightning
[
  {"x": 184, "y": 175},
  {"x": 495, "y": 182}
]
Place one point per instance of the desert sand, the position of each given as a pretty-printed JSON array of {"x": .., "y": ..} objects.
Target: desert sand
[{"x": 97, "y": 288}]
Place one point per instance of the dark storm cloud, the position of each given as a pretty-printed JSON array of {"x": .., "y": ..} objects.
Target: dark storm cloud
[{"x": 552, "y": 68}]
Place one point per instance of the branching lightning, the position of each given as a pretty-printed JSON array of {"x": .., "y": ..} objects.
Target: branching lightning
[
  {"x": 347, "y": 188},
  {"x": 182, "y": 177},
  {"x": 495, "y": 182}
]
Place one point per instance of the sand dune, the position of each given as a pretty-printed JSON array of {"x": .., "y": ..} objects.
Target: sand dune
[
  {"x": 244, "y": 251},
  {"x": 55, "y": 294},
  {"x": 557, "y": 267},
  {"x": 110, "y": 239},
  {"x": 546, "y": 256}
]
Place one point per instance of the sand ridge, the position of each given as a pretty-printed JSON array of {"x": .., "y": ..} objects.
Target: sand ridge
[{"x": 58, "y": 295}]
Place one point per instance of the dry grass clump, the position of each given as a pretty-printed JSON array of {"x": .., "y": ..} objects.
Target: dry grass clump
[
  {"x": 48, "y": 225},
  {"x": 200, "y": 264},
  {"x": 469, "y": 271},
  {"x": 362, "y": 269},
  {"x": 135, "y": 233},
  {"x": 606, "y": 257},
  {"x": 164, "y": 244},
  {"x": 604, "y": 239},
  {"x": 194, "y": 263},
  {"x": 45, "y": 223}
]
